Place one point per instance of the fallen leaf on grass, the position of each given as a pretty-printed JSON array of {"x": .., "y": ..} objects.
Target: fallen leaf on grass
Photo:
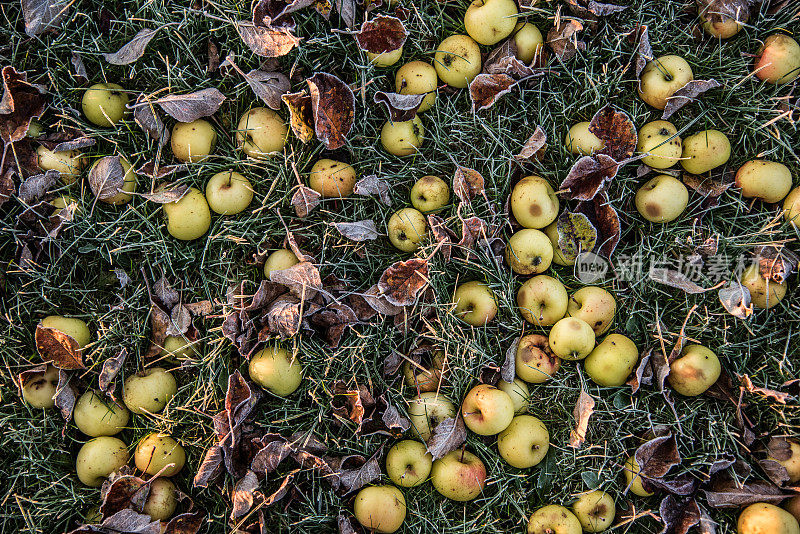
[
  {"x": 402, "y": 281},
  {"x": 21, "y": 102},
  {"x": 576, "y": 234},
  {"x": 657, "y": 456},
  {"x": 733, "y": 494},
  {"x": 354, "y": 472},
  {"x": 150, "y": 170},
  {"x": 126, "y": 491},
  {"x": 687, "y": 94},
  {"x": 373, "y": 186},
  {"x": 66, "y": 396},
  {"x": 679, "y": 514},
  {"x": 379, "y": 303},
  {"x": 358, "y": 230},
  {"x": 43, "y": 15},
  {"x": 592, "y": 8},
  {"x": 301, "y": 115},
  {"x": 712, "y": 185},
  {"x": 242, "y": 496},
  {"x": 107, "y": 177},
  {"x": 778, "y": 396},
  {"x": 588, "y": 176},
  {"x": 442, "y": 235},
  {"x": 333, "y": 105},
  {"x": 776, "y": 262},
  {"x": 302, "y": 279},
  {"x": 472, "y": 229},
  {"x": 724, "y": 10},
  {"x": 133, "y": 49},
  {"x": 447, "y": 436},
  {"x": 643, "y": 374},
  {"x": 192, "y": 106},
  {"x": 486, "y": 89},
  {"x": 111, "y": 368},
  {"x": 736, "y": 300},
  {"x": 37, "y": 186},
  {"x": 605, "y": 219},
  {"x": 467, "y": 184},
  {"x": 400, "y": 107},
  {"x": 644, "y": 51},
  {"x": 59, "y": 348},
  {"x": 562, "y": 39},
  {"x": 617, "y": 131},
  {"x": 186, "y": 523},
  {"x": 268, "y": 86},
  {"x": 305, "y": 200},
  {"x": 675, "y": 279},
  {"x": 148, "y": 119},
  {"x": 534, "y": 147},
  {"x": 166, "y": 193},
  {"x": 266, "y": 41},
  {"x": 584, "y": 408},
  {"x": 125, "y": 521},
  {"x": 381, "y": 34}
]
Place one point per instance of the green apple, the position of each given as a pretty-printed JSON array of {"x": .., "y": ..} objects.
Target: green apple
[
  {"x": 551, "y": 231},
  {"x": 75, "y": 328},
  {"x": 275, "y": 369},
  {"x": 595, "y": 510},
  {"x": 610, "y": 363},
  {"x": 792, "y": 463},
  {"x": 490, "y": 21},
  {"x": 764, "y": 293},
  {"x": 535, "y": 362},
  {"x": 429, "y": 194},
  {"x": 188, "y": 218},
  {"x": 487, "y": 410},
  {"x": 778, "y": 59},
  {"x": 95, "y": 415},
  {"x": 279, "y": 260},
  {"x": 332, "y": 179},
  {"x": 571, "y": 338},
  {"x": 177, "y": 348},
  {"x": 407, "y": 228},
  {"x": 769, "y": 181},
  {"x": 529, "y": 251},
  {"x": 662, "y": 199},
  {"x": 104, "y": 104},
  {"x": 661, "y": 77},
  {"x": 403, "y": 138},
  {"x": 427, "y": 410},
  {"x": 659, "y": 139},
  {"x": 633, "y": 481},
  {"x": 525, "y": 442},
  {"x": 385, "y": 59},
  {"x": 542, "y": 300},
  {"x": 519, "y": 393},
  {"x": 162, "y": 500},
  {"x": 159, "y": 451},
  {"x": 553, "y": 519},
  {"x": 694, "y": 371},
  {"x": 534, "y": 203},
  {"x": 408, "y": 463},
  {"x": 705, "y": 151},
  {"x": 68, "y": 163},
  {"x": 98, "y": 458},
  {"x": 594, "y": 305},
  {"x": 425, "y": 376},
  {"x": 475, "y": 303},
  {"x": 39, "y": 389},
  {"x": 228, "y": 193},
  {"x": 417, "y": 78},
  {"x": 261, "y": 133},
  {"x": 791, "y": 207},
  {"x": 457, "y": 60},
  {"x": 529, "y": 42},
  {"x": 193, "y": 141},
  {"x": 764, "y": 518},
  {"x": 149, "y": 390},
  {"x": 380, "y": 508},
  {"x": 459, "y": 475},
  {"x": 581, "y": 142}
]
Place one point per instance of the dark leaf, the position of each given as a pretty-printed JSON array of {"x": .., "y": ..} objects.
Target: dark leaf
[
  {"x": 563, "y": 41},
  {"x": 778, "y": 396},
  {"x": 301, "y": 115},
  {"x": 107, "y": 177},
  {"x": 243, "y": 494},
  {"x": 576, "y": 234},
  {"x": 709, "y": 185},
  {"x": 127, "y": 491},
  {"x": 266, "y": 41},
  {"x": 213, "y": 56},
  {"x": 133, "y": 49},
  {"x": 149, "y": 169},
  {"x": 353, "y": 479},
  {"x": 447, "y": 436},
  {"x": 333, "y": 105},
  {"x": 643, "y": 375},
  {"x": 268, "y": 86},
  {"x": 283, "y": 317},
  {"x": 111, "y": 368},
  {"x": 617, "y": 131},
  {"x": 373, "y": 186},
  {"x": 678, "y": 514},
  {"x": 166, "y": 194},
  {"x": 358, "y": 230},
  {"x": 776, "y": 472},
  {"x": 345, "y": 525},
  {"x": 605, "y": 219},
  {"x": 775, "y": 262},
  {"x": 472, "y": 229},
  {"x": 731, "y": 494},
  {"x": 305, "y": 200},
  {"x": 21, "y": 102},
  {"x": 125, "y": 521},
  {"x": 467, "y": 184},
  {"x": 588, "y": 176},
  {"x": 400, "y": 107},
  {"x": 66, "y": 395},
  {"x": 442, "y": 235},
  {"x": 534, "y": 147},
  {"x": 644, "y": 52},
  {"x": 271, "y": 456},
  {"x": 584, "y": 408},
  {"x": 735, "y": 298},
  {"x": 379, "y": 302},
  {"x": 149, "y": 120},
  {"x": 486, "y": 89},
  {"x": 59, "y": 348},
  {"x": 509, "y": 368},
  {"x": 675, "y": 279},
  {"x": 36, "y": 187},
  {"x": 402, "y": 281},
  {"x": 657, "y": 456},
  {"x": 346, "y": 10},
  {"x": 192, "y": 106},
  {"x": 43, "y": 15},
  {"x": 724, "y": 10},
  {"x": 77, "y": 64},
  {"x": 687, "y": 94},
  {"x": 186, "y": 523},
  {"x": 210, "y": 468},
  {"x": 381, "y": 34}
]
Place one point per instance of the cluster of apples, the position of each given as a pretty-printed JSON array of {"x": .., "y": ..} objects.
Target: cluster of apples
[{"x": 101, "y": 419}]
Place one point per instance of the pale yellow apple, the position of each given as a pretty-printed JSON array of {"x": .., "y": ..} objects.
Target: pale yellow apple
[
  {"x": 385, "y": 59},
  {"x": 261, "y": 133},
  {"x": 487, "y": 410},
  {"x": 380, "y": 508},
  {"x": 705, "y": 151},
  {"x": 769, "y": 181},
  {"x": 68, "y": 163},
  {"x": 38, "y": 390},
  {"x": 529, "y": 251},
  {"x": 610, "y": 363},
  {"x": 490, "y": 21},
  {"x": 660, "y": 140},
  {"x": 429, "y": 194},
  {"x": 792, "y": 463},
  {"x": 275, "y": 369},
  {"x": 427, "y": 410},
  {"x": 279, "y": 260},
  {"x": 188, "y": 218},
  {"x": 417, "y": 78},
  {"x": 525, "y": 442},
  {"x": 551, "y": 231},
  {"x": 791, "y": 207},
  {"x": 529, "y": 42},
  {"x": 519, "y": 393},
  {"x": 104, "y": 104},
  {"x": 407, "y": 228},
  {"x": 581, "y": 142},
  {"x": 162, "y": 500},
  {"x": 534, "y": 203},
  {"x": 408, "y": 463},
  {"x": 177, "y": 348},
  {"x": 95, "y": 415},
  {"x": 149, "y": 390},
  {"x": 123, "y": 195},
  {"x": 457, "y": 60},
  {"x": 662, "y": 199},
  {"x": 332, "y": 179},
  {"x": 661, "y": 77},
  {"x": 553, "y": 519},
  {"x": 594, "y": 305},
  {"x": 571, "y": 338},
  {"x": 633, "y": 480},
  {"x": 403, "y": 138},
  {"x": 98, "y": 458},
  {"x": 764, "y": 294},
  {"x": 75, "y": 328},
  {"x": 228, "y": 193},
  {"x": 542, "y": 300},
  {"x": 193, "y": 141},
  {"x": 475, "y": 303},
  {"x": 159, "y": 451}
]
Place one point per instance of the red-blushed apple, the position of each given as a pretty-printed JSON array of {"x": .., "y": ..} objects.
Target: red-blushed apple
[
  {"x": 571, "y": 338},
  {"x": 380, "y": 508},
  {"x": 408, "y": 463},
  {"x": 535, "y": 362},
  {"x": 459, "y": 475},
  {"x": 475, "y": 303},
  {"x": 525, "y": 442},
  {"x": 553, "y": 519},
  {"x": 487, "y": 410},
  {"x": 427, "y": 410},
  {"x": 778, "y": 59},
  {"x": 542, "y": 300}
]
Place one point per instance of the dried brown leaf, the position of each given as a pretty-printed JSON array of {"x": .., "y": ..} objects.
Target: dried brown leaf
[
  {"x": 657, "y": 456},
  {"x": 563, "y": 40},
  {"x": 242, "y": 496},
  {"x": 775, "y": 262},
  {"x": 687, "y": 94},
  {"x": 266, "y": 41},
  {"x": 735, "y": 298},
  {"x": 644, "y": 51},
  {"x": 149, "y": 120},
  {"x": 192, "y": 106},
  {"x": 305, "y": 200},
  {"x": 358, "y": 230},
  {"x": 333, "y": 105},
  {"x": 43, "y": 15},
  {"x": 379, "y": 302},
  {"x": 66, "y": 395},
  {"x": 107, "y": 177},
  {"x": 111, "y": 368},
  {"x": 381, "y": 34},
  {"x": 679, "y": 514},
  {"x": 373, "y": 186},
  {"x": 59, "y": 348},
  {"x": 534, "y": 147},
  {"x": 588, "y": 176},
  {"x": 402, "y": 281},
  {"x": 35, "y": 187},
  {"x": 400, "y": 107},
  {"x": 749, "y": 387},
  {"x": 302, "y": 279},
  {"x": 301, "y": 115},
  {"x": 21, "y": 102},
  {"x": 133, "y": 49},
  {"x": 486, "y": 89},
  {"x": 617, "y": 131},
  {"x": 675, "y": 279},
  {"x": 467, "y": 184},
  {"x": 447, "y": 436},
  {"x": 734, "y": 494},
  {"x": 584, "y": 408}
]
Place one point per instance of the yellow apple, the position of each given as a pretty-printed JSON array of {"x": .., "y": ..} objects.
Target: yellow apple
[
  {"x": 149, "y": 390},
  {"x": 542, "y": 300},
  {"x": 332, "y": 179},
  {"x": 75, "y": 328},
  {"x": 457, "y": 60},
  {"x": 764, "y": 518},
  {"x": 104, "y": 104},
  {"x": 417, "y": 78},
  {"x": 529, "y": 251},
  {"x": 408, "y": 463},
  {"x": 68, "y": 163},
  {"x": 659, "y": 139},
  {"x": 380, "y": 508},
  {"x": 261, "y": 133},
  {"x": 769, "y": 181},
  {"x": 159, "y": 451},
  {"x": 96, "y": 416},
  {"x": 228, "y": 193},
  {"x": 694, "y": 371},
  {"x": 595, "y": 510},
  {"x": 188, "y": 218},
  {"x": 274, "y": 369},
  {"x": 429, "y": 194},
  {"x": 38, "y": 390},
  {"x": 279, "y": 260},
  {"x": 529, "y": 42},
  {"x": 704, "y": 151},
  {"x": 487, "y": 410},
  {"x": 459, "y": 475},
  {"x": 385, "y": 59},
  {"x": 764, "y": 293},
  {"x": 662, "y": 199},
  {"x": 193, "y": 141},
  {"x": 407, "y": 228},
  {"x": 610, "y": 363},
  {"x": 553, "y": 519},
  {"x": 778, "y": 59},
  {"x": 580, "y": 141},
  {"x": 661, "y": 77},
  {"x": 490, "y": 21},
  {"x": 535, "y": 362},
  {"x": 403, "y": 138},
  {"x": 98, "y": 458},
  {"x": 534, "y": 203},
  {"x": 594, "y": 305},
  {"x": 525, "y": 442},
  {"x": 475, "y": 303},
  {"x": 427, "y": 410},
  {"x": 571, "y": 339},
  {"x": 519, "y": 393}
]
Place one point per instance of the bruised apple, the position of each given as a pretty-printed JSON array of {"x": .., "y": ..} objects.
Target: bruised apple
[
  {"x": 764, "y": 293},
  {"x": 39, "y": 389},
  {"x": 162, "y": 500},
  {"x": 694, "y": 371},
  {"x": 332, "y": 179},
  {"x": 595, "y": 510},
  {"x": 459, "y": 475},
  {"x": 662, "y": 199},
  {"x": 529, "y": 251},
  {"x": 571, "y": 338},
  {"x": 533, "y": 202},
  {"x": 458, "y": 60},
  {"x": 535, "y": 362},
  {"x": 594, "y": 305}
]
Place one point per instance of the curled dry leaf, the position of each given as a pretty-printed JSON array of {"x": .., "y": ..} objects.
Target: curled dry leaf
[
  {"x": 192, "y": 106},
  {"x": 563, "y": 40},
  {"x": 381, "y": 34},
  {"x": 302, "y": 279},
  {"x": 111, "y": 368},
  {"x": 305, "y": 200},
  {"x": 66, "y": 395},
  {"x": 333, "y": 105},
  {"x": 584, "y": 408},
  {"x": 486, "y": 89},
  {"x": 351, "y": 404},
  {"x": 402, "y": 281},
  {"x": 268, "y": 86},
  {"x": 301, "y": 115},
  {"x": 777, "y": 396},
  {"x": 66, "y": 139},
  {"x": 644, "y": 51},
  {"x": 724, "y": 10},
  {"x": 472, "y": 229},
  {"x": 43, "y": 15},
  {"x": 592, "y": 8},
  {"x": 447, "y": 436},
  {"x": 643, "y": 374},
  {"x": 266, "y": 41},
  {"x": 379, "y": 303},
  {"x": 734, "y": 494},
  {"x": 359, "y": 230},
  {"x": 712, "y": 185},
  {"x": 133, "y": 49},
  {"x": 283, "y": 318},
  {"x": 166, "y": 193},
  {"x": 588, "y": 176},
  {"x": 442, "y": 235},
  {"x": 354, "y": 472},
  {"x": 675, "y": 279},
  {"x": 736, "y": 300},
  {"x": 243, "y": 494},
  {"x": 687, "y": 94},
  {"x": 679, "y": 514},
  {"x": 186, "y": 523},
  {"x": 373, "y": 186},
  {"x": 107, "y": 177},
  {"x": 617, "y": 131},
  {"x": 467, "y": 184},
  {"x": 534, "y": 147},
  {"x": 400, "y": 107},
  {"x": 59, "y": 348},
  {"x": 150, "y": 170},
  {"x": 210, "y": 468},
  {"x": 148, "y": 118},
  {"x": 77, "y": 64},
  {"x": 125, "y": 521},
  {"x": 657, "y": 456},
  {"x": 775, "y": 262},
  {"x": 21, "y": 102},
  {"x": 126, "y": 491},
  {"x": 37, "y": 186},
  {"x": 576, "y": 234},
  {"x": 775, "y": 471}
]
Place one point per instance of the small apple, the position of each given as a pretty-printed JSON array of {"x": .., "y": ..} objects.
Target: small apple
[
  {"x": 764, "y": 518},
  {"x": 524, "y": 443},
  {"x": 519, "y": 393},
  {"x": 718, "y": 25},
  {"x": 490, "y": 21},
  {"x": 662, "y": 199},
  {"x": 427, "y": 410},
  {"x": 425, "y": 376},
  {"x": 279, "y": 260},
  {"x": 385, "y": 59},
  {"x": 188, "y": 218},
  {"x": 580, "y": 141},
  {"x": 403, "y": 138},
  {"x": 408, "y": 463},
  {"x": 553, "y": 519},
  {"x": 159, "y": 451},
  {"x": 778, "y": 59},
  {"x": 75, "y": 328},
  {"x": 571, "y": 338},
  {"x": 162, "y": 500},
  {"x": 633, "y": 481},
  {"x": 261, "y": 133},
  {"x": 529, "y": 251},
  {"x": 128, "y": 184},
  {"x": 475, "y": 303},
  {"x": 764, "y": 293},
  {"x": 96, "y": 416},
  {"x": 704, "y": 151},
  {"x": 459, "y": 475},
  {"x": 457, "y": 60},
  {"x": 332, "y": 179},
  {"x": 551, "y": 231},
  {"x": 380, "y": 508},
  {"x": 661, "y": 77},
  {"x": 98, "y": 458},
  {"x": 429, "y": 194},
  {"x": 595, "y": 510},
  {"x": 534, "y": 203},
  {"x": 535, "y": 362},
  {"x": 104, "y": 104},
  {"x": 791, "y": 207},
  {"x": 407, "y": 228},
  {"x": 542, "y": 300},
  {"x": 149, "y": 390},
  {"x": 769, "y": 181},
  {"x": 417, "y": 78},
  {"x": 62, "y": 201},
  {"x": 274, "y": 369},
  {"x": 39, "y": 389},
  {"x": 610, "y": 363},
  {"x": 594, "y": 305},
  {"x": 694, "y": 371},
  {"x": 193, "y": 141},
  {"x": 659, "y": 139},
  {"x": 487, "y": 410},
  {"x": 68, "y": 163},
  {"x": 177, "y": 348},
  {"x": 792, "y": 463},
  {"x": 529, "y": 42},
  {"x": 228, "y": 193}
]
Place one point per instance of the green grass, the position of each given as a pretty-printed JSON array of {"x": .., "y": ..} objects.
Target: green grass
[{"x": 39, "y": 491}]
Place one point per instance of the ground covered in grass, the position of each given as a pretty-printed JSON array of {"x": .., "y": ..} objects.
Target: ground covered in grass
[{"x": 39, "y": 491}]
